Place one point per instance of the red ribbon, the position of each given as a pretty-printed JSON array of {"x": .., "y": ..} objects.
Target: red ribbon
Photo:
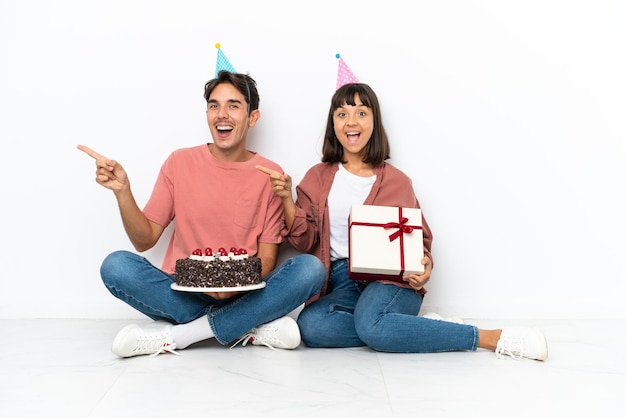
[{"x": 402, "y": 229}]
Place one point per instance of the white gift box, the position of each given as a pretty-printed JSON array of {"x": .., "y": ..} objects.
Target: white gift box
[{"x": 385, "y": 242}]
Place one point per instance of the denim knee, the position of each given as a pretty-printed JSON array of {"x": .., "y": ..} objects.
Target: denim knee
[
  {"x": 310, "y": 271},
  {"x": 368, "y": 333},
  {"x": 367, "y": 324},
  {"x": 112, "y": 267}
]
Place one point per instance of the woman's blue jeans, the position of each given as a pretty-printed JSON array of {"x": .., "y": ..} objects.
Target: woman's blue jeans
[
  {"x": 381, "y": 316},
  {"x": 134, "y": 280}
]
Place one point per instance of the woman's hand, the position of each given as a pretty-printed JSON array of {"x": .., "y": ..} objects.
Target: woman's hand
[
  {"x": 281, "y": 182},
  {"x": 418, "y": 281},
  {"x": 281, "y": 186}
]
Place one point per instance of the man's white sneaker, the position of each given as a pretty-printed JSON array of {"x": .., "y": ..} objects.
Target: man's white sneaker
[
  {"x": 518, "y": 342},
  {"x": 434, "y": 315},
  {"x": 136, "y": 340},
  {"x": 279, "y": 333}
]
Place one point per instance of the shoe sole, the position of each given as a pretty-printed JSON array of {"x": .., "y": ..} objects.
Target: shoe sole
[{"x": 543, "y": 354}]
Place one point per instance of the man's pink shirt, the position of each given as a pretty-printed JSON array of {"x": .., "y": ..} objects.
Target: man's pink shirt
[{"x": 215, "y": 203}]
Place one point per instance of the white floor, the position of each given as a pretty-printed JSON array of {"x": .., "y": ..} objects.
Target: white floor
[{"x": 64, "y": 368}]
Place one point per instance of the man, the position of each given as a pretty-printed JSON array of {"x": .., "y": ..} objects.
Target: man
[{"x": 217, "y": 197}]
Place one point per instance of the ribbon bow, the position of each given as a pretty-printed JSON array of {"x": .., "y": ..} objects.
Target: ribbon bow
[{"x": 402, "y": 228}]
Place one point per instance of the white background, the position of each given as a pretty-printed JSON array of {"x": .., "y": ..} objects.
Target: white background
[{"x": 508, "y": 116}]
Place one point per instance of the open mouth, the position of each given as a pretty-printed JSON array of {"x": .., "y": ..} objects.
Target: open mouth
[
  {"x": 224, "y": 130},
  {"x": 353, "y": 137}
]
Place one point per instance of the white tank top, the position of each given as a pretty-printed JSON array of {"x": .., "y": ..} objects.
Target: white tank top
[{"x": 348, "y": 189}]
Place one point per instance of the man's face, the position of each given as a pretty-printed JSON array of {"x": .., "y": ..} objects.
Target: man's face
[{"x": 227, "y": 116}]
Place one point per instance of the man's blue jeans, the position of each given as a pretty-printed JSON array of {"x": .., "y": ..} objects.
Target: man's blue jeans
[
  {"x": 134, "y": 280},
  {"x": 381, "y": 316}
]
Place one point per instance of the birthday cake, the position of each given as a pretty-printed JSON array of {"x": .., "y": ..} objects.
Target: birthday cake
[{"x": 232, "y": 268}]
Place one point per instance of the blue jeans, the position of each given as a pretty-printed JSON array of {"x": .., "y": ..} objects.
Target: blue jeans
[
  {"x": 134, "y": 280},
  {"x": 381, "y": 316}
]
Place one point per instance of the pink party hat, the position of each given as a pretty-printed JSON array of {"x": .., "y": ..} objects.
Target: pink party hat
[
  {"x": 344, "y": 75},
  {"x": 222, "y": 62}
]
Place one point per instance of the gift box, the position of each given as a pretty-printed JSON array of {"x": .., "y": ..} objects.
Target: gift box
[{"x": 385, "y": 242}]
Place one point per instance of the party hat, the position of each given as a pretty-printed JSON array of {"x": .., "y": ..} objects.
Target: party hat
[
  {"x": 344, "y": 75},
  {"x": 222, "y": 62}
]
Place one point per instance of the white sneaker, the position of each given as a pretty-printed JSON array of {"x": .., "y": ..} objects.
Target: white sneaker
[
  {"x": 136, "y": 340},
  {"x": 519, "y": 342},
  {"x": 434, "y": 315},
  {"x": 280, "y": 333}
]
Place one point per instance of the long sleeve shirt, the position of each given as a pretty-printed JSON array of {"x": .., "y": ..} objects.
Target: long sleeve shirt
[{"x": 310, "y": 231}]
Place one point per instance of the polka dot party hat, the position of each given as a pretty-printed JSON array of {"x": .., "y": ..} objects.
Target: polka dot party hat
[
  {"x": 222, "y": 62},
  {"x": 344, "y": 74}
]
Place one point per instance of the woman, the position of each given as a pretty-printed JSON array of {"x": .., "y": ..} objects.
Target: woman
[{"x": 382, "y": 314}]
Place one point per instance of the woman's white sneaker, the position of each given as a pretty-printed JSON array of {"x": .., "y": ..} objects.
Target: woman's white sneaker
[
  {"x": 518, "y": 342},
  {"x": 434, "y": 315}
]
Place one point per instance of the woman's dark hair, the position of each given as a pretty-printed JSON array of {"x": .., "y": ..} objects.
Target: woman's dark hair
[
  {"x": 377, "y": 149},
  {"x": 242, "y": 82}
]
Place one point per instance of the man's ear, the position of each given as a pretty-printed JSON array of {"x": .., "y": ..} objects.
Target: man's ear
[{"x": 254, "y": 117}]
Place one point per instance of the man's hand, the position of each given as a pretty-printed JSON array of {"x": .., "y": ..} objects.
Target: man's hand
[
  {"x": 109, "y": 173},
  {"x": 221, "y": 295}
]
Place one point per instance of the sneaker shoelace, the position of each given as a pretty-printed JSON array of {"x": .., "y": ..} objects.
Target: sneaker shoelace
[
  {"x": 156, "y": 344},
  {"x": 166, "y": 348},
  {"x": 515, "y": 351},
  {"x": 250, "y": 337}
]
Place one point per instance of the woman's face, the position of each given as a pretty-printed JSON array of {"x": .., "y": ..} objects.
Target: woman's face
[{"x": 354, "y": 126}]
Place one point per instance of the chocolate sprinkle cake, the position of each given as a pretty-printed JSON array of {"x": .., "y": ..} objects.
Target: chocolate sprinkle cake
[{"x": 218, "y": 273}]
